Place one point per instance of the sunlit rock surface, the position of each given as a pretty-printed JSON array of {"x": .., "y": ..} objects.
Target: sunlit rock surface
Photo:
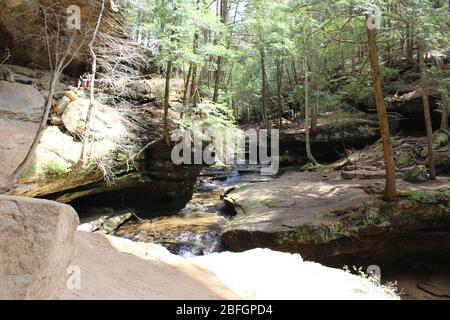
[{"x": 149, "y": 271}]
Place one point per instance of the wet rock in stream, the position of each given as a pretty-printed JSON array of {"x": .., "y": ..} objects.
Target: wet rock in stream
[{"x": 186, "y": 236}]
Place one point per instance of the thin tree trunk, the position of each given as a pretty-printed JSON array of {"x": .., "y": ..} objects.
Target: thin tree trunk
[
  {"x": 193, "y": 94},
  {"x": 217, "y": 74},
  {"x": 264, "y": 88},
  {"x": 390, "y": 189},
  {"x": 279, "y": 98},
  {"x": 186, "y": 88},
  {"x": 426, "y": 110},
  {"x": 444, "y": 100},
  {"x": 409, "y": 43},
  {"x": 315, "y": 113},
  {"x": 294, "y": 70},
  {"x": 289, "y": 76},
  {"x": 91, "y": 108},
  {"x": 308, "y": 142},
  {"x": 166, "y": 103},
  {"x": 220, "y": 59},
  {"x": 445, "y": 112}
]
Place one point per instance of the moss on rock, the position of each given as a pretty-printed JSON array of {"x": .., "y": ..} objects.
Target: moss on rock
[{"x": 416, "y": 174}]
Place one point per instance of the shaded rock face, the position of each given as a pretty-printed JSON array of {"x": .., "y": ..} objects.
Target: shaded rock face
[
  {"x": 21, "y": 25},
  {"x": 156, "y": 181},
  {"x": 424, "y": 234},
  {"x": 329, "y": 142},
  {"x": 413, "y": 112},
  {"x": 36, "y": 247}
]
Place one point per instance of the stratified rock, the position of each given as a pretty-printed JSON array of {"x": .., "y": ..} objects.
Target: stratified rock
[
  {"x": 330, "y": 140},
  {"x": 416, "y": 174},
  {"x": 36, "y": 247}
]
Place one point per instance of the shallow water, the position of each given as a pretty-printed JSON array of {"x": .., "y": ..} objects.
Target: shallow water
[{"x": 196, "y": 229}]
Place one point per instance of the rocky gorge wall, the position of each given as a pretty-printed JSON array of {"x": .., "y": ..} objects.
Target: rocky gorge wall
[
  {"x": 21, "y": 23},
  {"x": 52, "y": 171}
]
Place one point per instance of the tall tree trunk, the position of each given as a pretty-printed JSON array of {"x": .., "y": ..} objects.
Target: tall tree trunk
[
  {"x": 315, "y": 113},
  {"x": 279, "y": 63},
  {"x": 445, "y": 111},
  {"x": 264, "y": 113},
  {"x": 409, "y": 43},
  {"x": 217, "y": 76},
  {"x": 426, "y": 109},
  {"x": 294, "y": 71},
  {"x": 308, "y": 142},
  {"x": 220, "y": 59},
  {"x": 166, "y": 103},
  {"x": 444, "y": 100},
  {"x": 186, "y": 87},
  {"x": 289, "y": 76},
  {"x": 91, "y": 109},
  {"x": 193, "y": 94},
  {"x": 390, "y": 189}
]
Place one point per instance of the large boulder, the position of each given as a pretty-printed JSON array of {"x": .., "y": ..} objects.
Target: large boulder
[
  {"x": 106, "y": 121},
  {"x": 21, "y": 107},
  {"x": 36, "y": 247}
]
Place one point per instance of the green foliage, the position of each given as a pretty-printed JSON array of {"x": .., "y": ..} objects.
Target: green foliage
[
  {"x": 39, "y": 171},
  {"x": 58, "y": 168},
  {"x": 211, "y": 115},
  {"x": 356, "y": 93},
  {"x": 440, "y": 197},
  {"x": 307, "y": 233},
  {"x": 331, "y": 35}
]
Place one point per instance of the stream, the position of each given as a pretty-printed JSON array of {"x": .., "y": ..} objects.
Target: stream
[{"x": 195, "y": 230}]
